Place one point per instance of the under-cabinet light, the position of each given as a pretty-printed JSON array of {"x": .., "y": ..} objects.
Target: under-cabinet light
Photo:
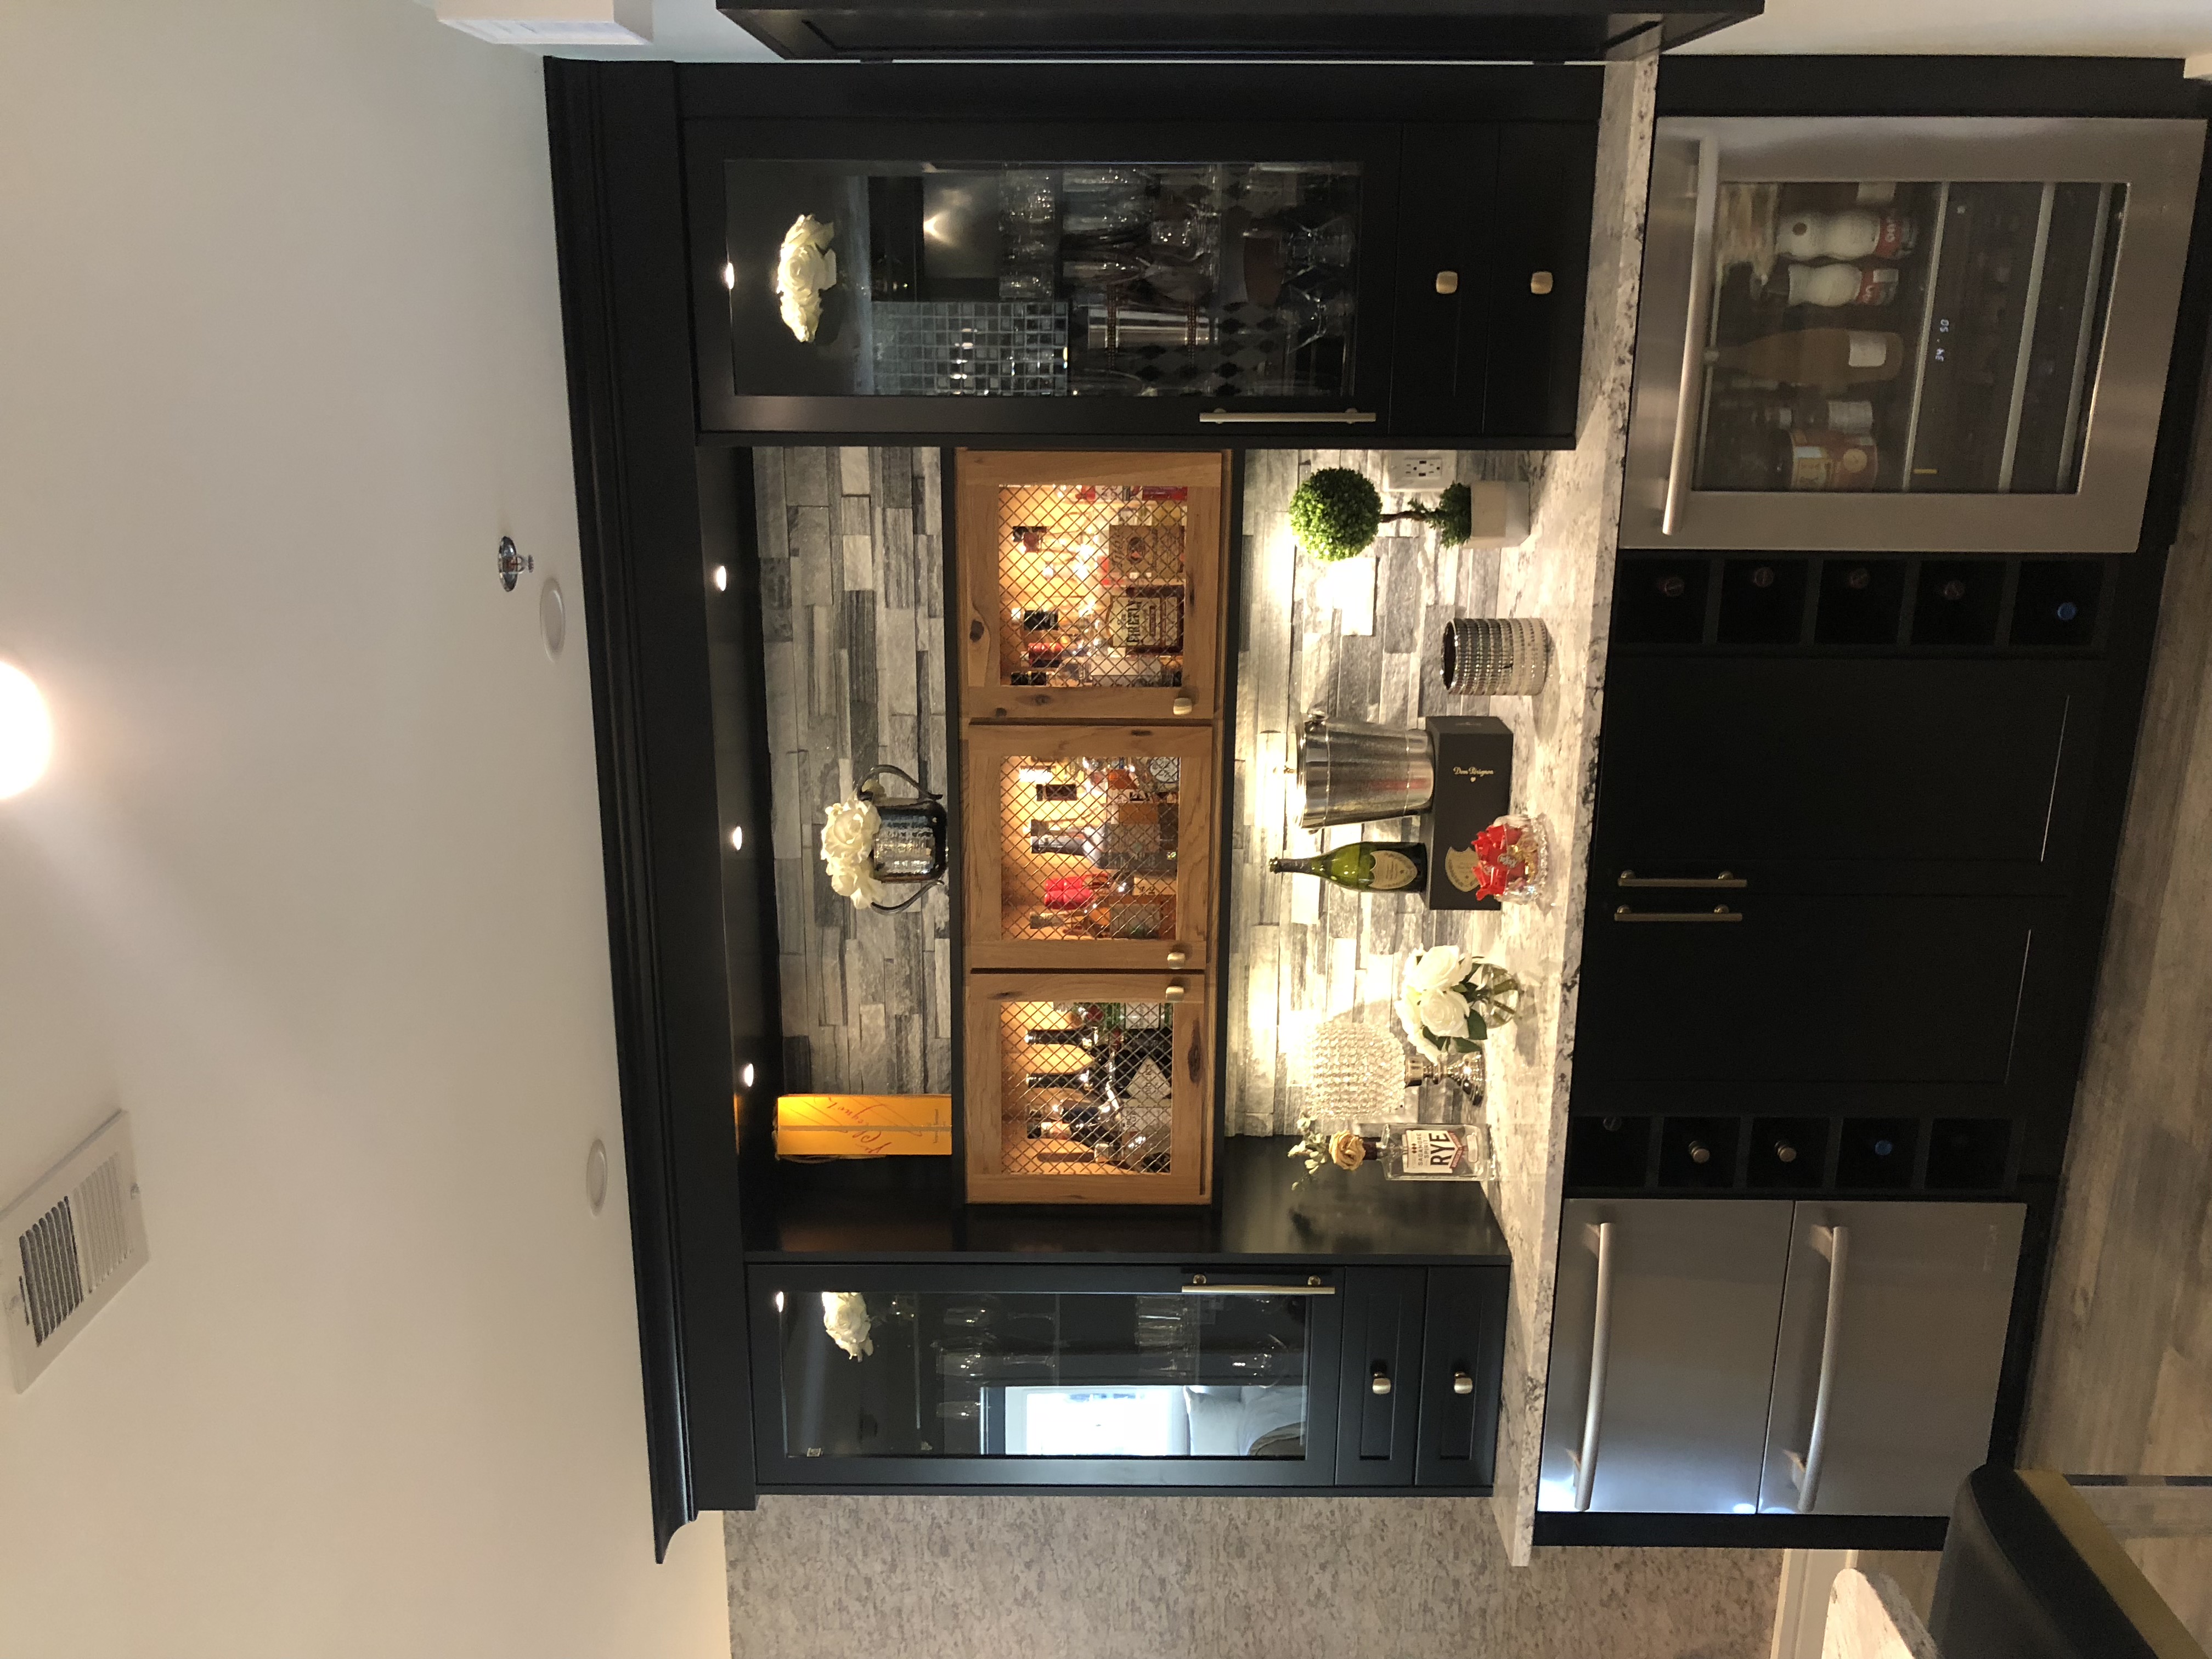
[
  {"x": 729, "y": 274},
  {"x": 737, "y": 838},
  {"x": 721, "y": 578},
  {"x": 552, "y": 22},
  {"x": 27, "y": 733},
  {"x": 745, "y": 1077}
]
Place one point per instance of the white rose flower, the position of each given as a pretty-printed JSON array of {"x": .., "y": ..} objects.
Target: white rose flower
[
  {"x": 1435, "y": 968},
  {"x": 845, "y": 1318},
  {"x": 851, "y": 829},
  {"x": 1444, "y": 1012},
  {"x": 1409, "y": 1016},
  {"x": 804, "y": 266}
]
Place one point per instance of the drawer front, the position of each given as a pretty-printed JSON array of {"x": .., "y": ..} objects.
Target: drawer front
[{"x": 1462, "y": 1361}]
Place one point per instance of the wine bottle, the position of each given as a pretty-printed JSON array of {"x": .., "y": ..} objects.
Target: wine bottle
[
  {"x": 1364, "y": 866},
  {"x": 1817, "y": 356},
  {"x": 1855, "y": 233},
  {"x": 1080, "y": 1081},
  {"x": 1843, "y": 285}
]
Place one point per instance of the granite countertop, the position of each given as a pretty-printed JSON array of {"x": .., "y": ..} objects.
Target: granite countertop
[{"x": 1360, "y": 639}]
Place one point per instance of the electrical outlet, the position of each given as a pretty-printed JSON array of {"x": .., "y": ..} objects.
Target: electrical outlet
[{"x": 1419, "y": 469}]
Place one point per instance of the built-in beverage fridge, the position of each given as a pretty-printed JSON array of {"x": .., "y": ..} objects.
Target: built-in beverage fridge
[{"x": 1923, "y": 335}]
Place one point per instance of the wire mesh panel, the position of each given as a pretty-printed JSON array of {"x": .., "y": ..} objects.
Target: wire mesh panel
[
  {"x": 1087, "y": 1088},
  {"x": 1093, "y": 584},
  {"x": 1089, "y": 846}
]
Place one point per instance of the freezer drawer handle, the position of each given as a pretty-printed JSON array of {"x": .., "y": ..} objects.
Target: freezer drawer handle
[
  {"x": 1835, "y": 1243},
  {"x": 1285, "y": 418},
  {"x": 1718, "y": 913},
  {"x": 1585, "y": 1460},
  {"x": 1726, "y": 879},
  {"x": 1198, "y": 1286},
  {"x": 1687, "y": 394}
]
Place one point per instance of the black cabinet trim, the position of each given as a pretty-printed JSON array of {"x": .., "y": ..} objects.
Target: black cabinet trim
[{"x": 1720, "y": 84}]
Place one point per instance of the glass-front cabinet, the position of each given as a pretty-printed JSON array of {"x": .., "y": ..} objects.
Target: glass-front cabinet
[
  {"x": 873, "y": 1375},
  {"x": 1144, "y": 279},
  {"x": 1975, "y": 314}
]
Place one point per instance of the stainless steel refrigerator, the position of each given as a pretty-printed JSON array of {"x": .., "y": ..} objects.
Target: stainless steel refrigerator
[
  {"x": 1910, "y": 335},
  {"x": 1763, "y": 1356}
]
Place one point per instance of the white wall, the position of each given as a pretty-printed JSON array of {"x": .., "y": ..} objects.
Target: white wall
[
  {"x": 2117, "y": 29},
  {"x": 313, "y": 889}
]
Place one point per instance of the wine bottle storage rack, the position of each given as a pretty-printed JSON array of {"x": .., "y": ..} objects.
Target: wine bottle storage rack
[
  {"x": 1654, "y": 1153},
  {"x": 1101, "y": 1102},
  {"x": 1088, "y": 846},
  {"x": 1091, "y": 584},
  {"x": 1842, "y": 602}
]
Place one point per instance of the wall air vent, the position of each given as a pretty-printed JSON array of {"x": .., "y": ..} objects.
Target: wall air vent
[{"x": 71, "y": 1242}]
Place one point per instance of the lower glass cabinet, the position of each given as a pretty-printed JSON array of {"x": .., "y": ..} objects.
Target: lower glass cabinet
[{"x": 882, "y": 1377}]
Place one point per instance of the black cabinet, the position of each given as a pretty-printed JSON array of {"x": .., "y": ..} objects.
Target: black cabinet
[
  {"x": 1892, "y": 774},
  {"x": 1247, "y": 282},
  {"x": 882, "y": 1377}
]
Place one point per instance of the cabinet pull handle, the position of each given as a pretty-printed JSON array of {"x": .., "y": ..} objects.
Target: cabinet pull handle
[
  {"x": 1462, "y": 1383},
  {"x": 1184, "y": 704},
  {"x": 1380, "y": 1382},
  {"x": 1285, "y": 418},
  {"x": 1694, "y": 331},
  {"x": 1835, "y": 1243},
  {"x": 1718, "y": 913},
  {"x": 1585, "y": 1461},
  {"x": 1726, "y": 879},
  {"x": 1198, "y": 1286}
]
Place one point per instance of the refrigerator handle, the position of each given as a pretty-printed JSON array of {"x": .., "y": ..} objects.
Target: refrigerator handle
[
  {"x": 1690, "y": 392},
  {"x": 1835, "y": 1243},
  {"x": 1585, "y": 1460}
]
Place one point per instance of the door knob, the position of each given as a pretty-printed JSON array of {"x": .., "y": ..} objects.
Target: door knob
[
  {"x": 1462, "y": 1383},
  {"x": 1184, "y": 704},
  {"x": 1380, "y": 1382}
]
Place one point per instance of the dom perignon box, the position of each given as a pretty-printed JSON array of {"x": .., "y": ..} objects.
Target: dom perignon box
[{"x": 1473, "y": 760}]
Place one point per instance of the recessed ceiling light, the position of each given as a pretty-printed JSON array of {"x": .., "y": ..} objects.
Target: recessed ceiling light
[
  {"x": 27, "y": 734},
  {"x": 552, "y": 617},
  {"x": 745, "y": 1077},
  {"x": 737, "y": 839},
  {"x": 721, "y": 578},
  {"x": 595, "y": 1175},
  {"x": 729, "y": 276}
]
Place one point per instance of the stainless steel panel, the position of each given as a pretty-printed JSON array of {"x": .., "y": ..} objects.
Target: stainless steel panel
[
  {"x": 1912, "y": 1353},
  {"x": 2156, "y": 160},
  {"x": 1695, "y": 1302}
]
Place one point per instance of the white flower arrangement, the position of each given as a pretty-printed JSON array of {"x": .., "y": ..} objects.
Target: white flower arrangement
[
  {"x": 848, "y": 841},
  {"x": 804, "y": 267},
  {"x": 1449, "y": 1000},
  {"x": 845, "y": 1316}
]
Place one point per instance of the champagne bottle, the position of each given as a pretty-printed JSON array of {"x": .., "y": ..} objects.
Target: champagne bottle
[
  {"x": 1817, "y": 356},
  {"x": 1363, "y": 866}
]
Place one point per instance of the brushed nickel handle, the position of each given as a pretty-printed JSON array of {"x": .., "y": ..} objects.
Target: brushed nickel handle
[
  {"x": 1185, "y": 704},
  {"x": 1285, "y": 418},
  {"x": 1462, "y": 1383},
  {"x": 1199, "y": 1286},
  {"x": 1540, "y": 282},
  {"x": 1694, "y": 331},
  {"x": 1835, "y": 1243},
  {"x": 1718, "y": 913},
  {"x": 1177, "y": 957},
  {"x": 1726, "y": 879},
  {"x": 1448, "y": 282},
  {"x": 1380, "y": 1382}
]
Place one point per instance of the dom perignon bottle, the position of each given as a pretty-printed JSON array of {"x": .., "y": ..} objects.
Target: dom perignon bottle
[{"x": 1365, "y": 866}]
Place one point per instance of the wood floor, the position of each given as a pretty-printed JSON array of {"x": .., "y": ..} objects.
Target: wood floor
[{"x": 2124, "y": 1380}]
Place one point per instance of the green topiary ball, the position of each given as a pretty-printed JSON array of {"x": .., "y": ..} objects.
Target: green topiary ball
[
  {"x": 1454, "y": 515},
  {"x": 1335, "y": 513}
]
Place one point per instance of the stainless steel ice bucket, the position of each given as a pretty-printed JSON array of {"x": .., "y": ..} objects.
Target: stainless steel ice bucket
[
  {"x": 909, "y": 837},
  {"x": 1351, "y": 773}
]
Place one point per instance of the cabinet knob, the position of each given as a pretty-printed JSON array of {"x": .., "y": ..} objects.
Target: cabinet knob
[
  {"x": 1462, "y": 1383},
  {"x": 1700, "y": 1153},
  {"x": 1380, "y": 1382},
  {"x": 1184, "y": 704},
  {"x": 1540, "y": 282},
  {"x": 1173, "y": 994},
  {"x": 1448, "y": 282},
  {"x": 1784, "y": 1152},
  {"x": 1177, "y": 957}
]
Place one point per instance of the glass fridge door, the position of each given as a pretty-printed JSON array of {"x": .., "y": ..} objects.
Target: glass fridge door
[
  {"x": 838, "y": 293},
  {"x": 1838, "y": 315},
  {"x": 944, "y": 1375},
  {"x": 1899, "y": 335}
]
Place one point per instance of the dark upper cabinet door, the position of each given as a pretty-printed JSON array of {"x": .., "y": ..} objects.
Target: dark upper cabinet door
[
  {"x": 1462, "y": 1360},
  {"x": 1152, "y": 280},
  {"x": 1493, "y": 256},
  {"x": 1378, "y": 1388},
  {"x": 1811, "y": 987},
  {"x": 1884, "y": 775}
]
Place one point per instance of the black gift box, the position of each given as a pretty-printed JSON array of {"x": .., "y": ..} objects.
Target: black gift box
[{"x": 1474, "y": 760}]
